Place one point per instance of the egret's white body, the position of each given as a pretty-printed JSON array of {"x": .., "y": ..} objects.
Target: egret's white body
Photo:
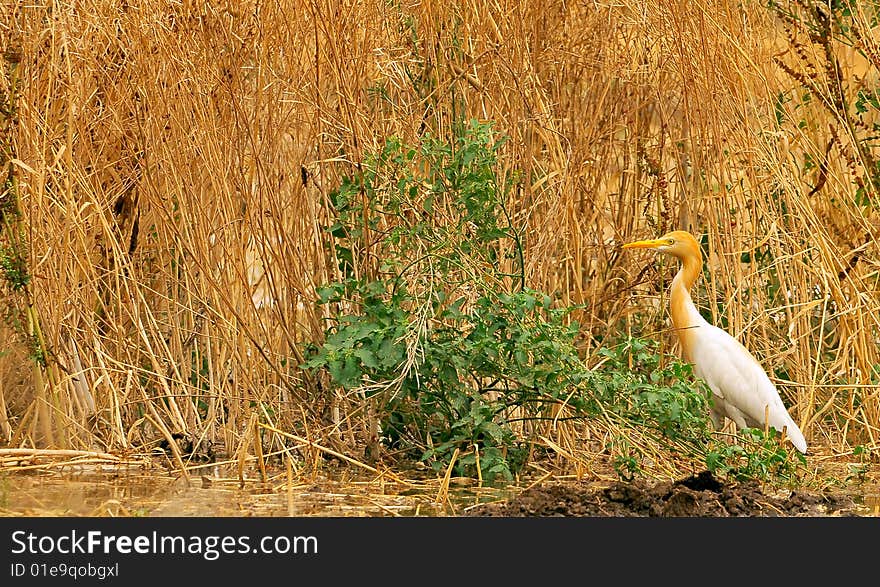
[{"x": 741, "y": 389}]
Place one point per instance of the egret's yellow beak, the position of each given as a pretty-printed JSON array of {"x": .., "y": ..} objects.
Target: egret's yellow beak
[{"x": 648, "y": 244}]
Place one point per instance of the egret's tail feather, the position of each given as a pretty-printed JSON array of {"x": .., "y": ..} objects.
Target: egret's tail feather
[
  {"x": 780, "y": 419},
  {"x": 796, "y": 436}
]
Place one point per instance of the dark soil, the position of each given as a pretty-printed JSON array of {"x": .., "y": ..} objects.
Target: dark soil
[{"x": 701, "y": 495}]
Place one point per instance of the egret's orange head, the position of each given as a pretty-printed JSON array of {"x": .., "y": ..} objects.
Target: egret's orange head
[{"x": 677, "y": 243}]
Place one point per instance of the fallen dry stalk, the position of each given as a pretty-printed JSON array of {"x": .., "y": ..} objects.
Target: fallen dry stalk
[
  {"x": 26, "y": 459},
  {"x": 56, "y": 453}
]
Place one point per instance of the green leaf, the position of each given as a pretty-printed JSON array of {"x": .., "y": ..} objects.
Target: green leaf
[{"x": 368, "y": 359}]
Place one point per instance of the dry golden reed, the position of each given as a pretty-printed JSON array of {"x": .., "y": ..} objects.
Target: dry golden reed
[{"x": 172, "y": 163}]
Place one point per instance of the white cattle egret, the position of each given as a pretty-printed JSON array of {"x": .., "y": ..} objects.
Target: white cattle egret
[{"x": 741, "y": 389}]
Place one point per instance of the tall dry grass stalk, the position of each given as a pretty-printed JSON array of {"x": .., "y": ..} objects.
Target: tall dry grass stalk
[{"x": 172, "y": 162}]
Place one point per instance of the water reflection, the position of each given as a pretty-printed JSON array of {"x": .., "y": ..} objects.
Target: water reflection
[{"x": 218, "y": 491}]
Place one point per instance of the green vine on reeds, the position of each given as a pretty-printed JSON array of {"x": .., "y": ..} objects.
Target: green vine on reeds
[
  {"x": 851, "y": 104},
  {"x": 16, "y": 275}
]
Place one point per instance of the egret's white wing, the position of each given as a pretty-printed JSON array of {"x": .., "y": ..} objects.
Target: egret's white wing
[{"x": 734, "y": 374}]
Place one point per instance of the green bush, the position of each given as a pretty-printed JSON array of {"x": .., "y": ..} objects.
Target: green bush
[
  {"x": 758, "y": 455},
  {"x": 458, "y": 353}
]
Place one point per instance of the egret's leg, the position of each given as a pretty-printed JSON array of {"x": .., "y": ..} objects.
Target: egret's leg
[
  {"x": 717, "y": 418},
  {"x": 737, "y": 416}
]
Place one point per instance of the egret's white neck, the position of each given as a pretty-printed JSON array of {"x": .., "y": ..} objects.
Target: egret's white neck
[{"x": 685, "y": 316}]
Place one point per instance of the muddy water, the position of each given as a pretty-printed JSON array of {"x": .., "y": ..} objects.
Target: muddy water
[{"x": 219, "y": 493}]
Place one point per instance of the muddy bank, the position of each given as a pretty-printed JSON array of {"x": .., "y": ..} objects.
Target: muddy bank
[{"x": 698, "y": 495}]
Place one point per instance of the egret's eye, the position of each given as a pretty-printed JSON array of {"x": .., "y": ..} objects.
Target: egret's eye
[{"x": 671, "y": 241}]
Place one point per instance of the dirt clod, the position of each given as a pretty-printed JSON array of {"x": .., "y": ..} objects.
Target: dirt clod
[{"x": 701, "y": 495}]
